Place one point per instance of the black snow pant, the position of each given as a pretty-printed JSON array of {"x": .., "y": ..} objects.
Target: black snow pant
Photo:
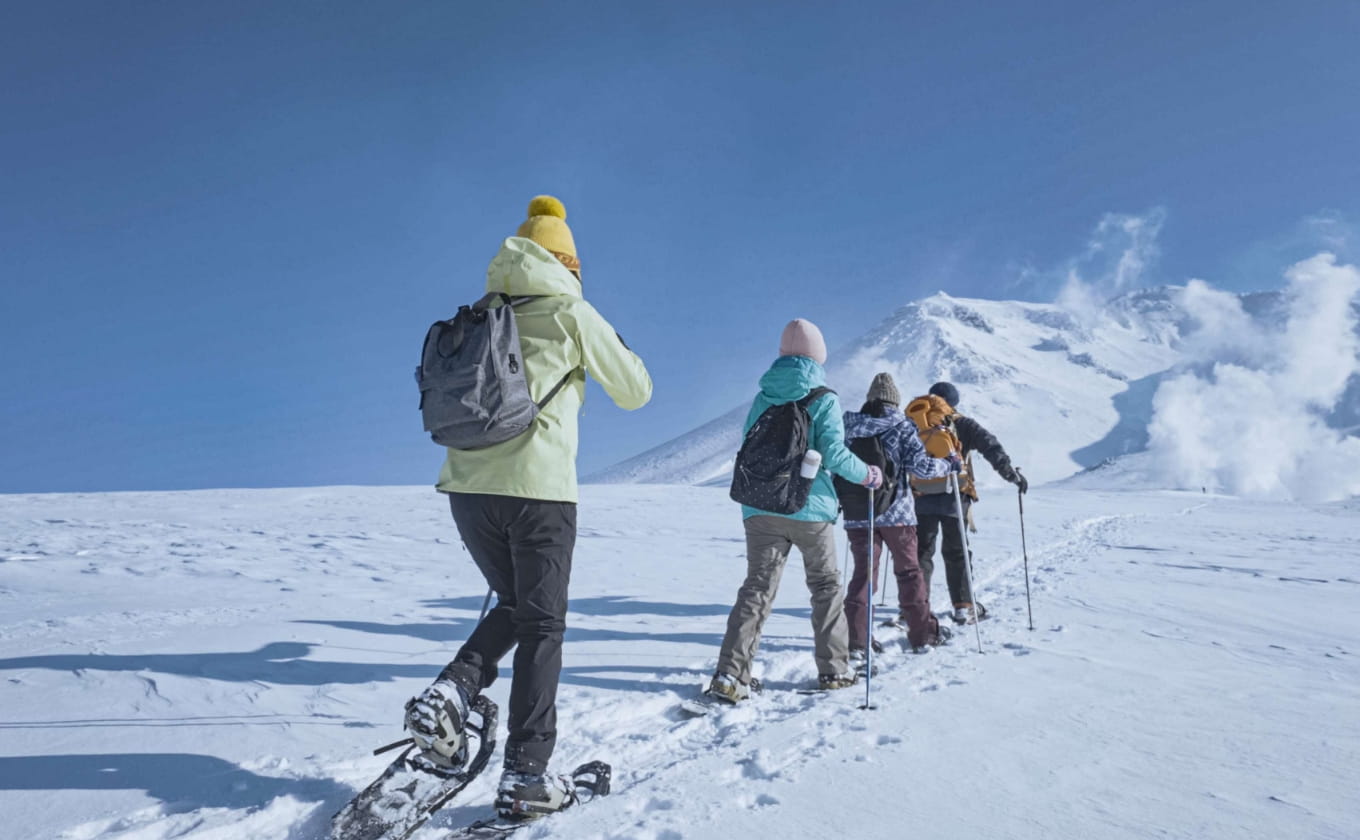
[
  {"x": 523, "y": 548},
  {"x": 927, "y": 529}
]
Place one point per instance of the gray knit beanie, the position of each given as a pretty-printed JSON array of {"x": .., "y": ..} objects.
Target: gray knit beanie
[{"x": 883, "y": 388}]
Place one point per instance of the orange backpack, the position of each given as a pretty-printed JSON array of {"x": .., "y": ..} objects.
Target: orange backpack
[{"x": 934, "y": 419}]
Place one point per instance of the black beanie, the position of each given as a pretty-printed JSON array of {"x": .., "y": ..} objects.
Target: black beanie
[{"x": 946, "y": 392}]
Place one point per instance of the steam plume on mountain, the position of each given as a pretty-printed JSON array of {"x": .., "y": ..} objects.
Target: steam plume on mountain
[{"x": 1250, "y": 416}]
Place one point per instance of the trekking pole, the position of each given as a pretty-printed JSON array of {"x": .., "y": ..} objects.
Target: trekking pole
[
  {"x": 883, "y": 587},
  {"x": 1020, "y": 495},
  {"x": 486, "y": 604},
  {"x": 869, "y": 612},
  {"x": 967, "y": 557}
]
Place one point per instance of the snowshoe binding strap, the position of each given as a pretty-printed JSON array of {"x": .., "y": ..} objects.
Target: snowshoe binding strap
[
  {"x": 592, "y": 779},
  {"x": 588, "y": 781},
  {"x": 392, "y": 746},
  {"x": 485, "y": 732},
  {"x": 481, "y": 725}
]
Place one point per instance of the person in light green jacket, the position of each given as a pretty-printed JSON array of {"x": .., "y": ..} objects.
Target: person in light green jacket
[
  {"x": 560, "y": 332},
  {"x": 515, "y": 507}
]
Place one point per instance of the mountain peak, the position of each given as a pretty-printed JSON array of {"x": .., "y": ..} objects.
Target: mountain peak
[
  {"x": 1061, "y": 391},
  {"x": 1032, "y": 373}
]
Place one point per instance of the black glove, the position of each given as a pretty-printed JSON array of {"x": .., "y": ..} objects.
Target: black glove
[
  {"x": 955, "y": 463},
  {"x": 1019, "y": 481}
]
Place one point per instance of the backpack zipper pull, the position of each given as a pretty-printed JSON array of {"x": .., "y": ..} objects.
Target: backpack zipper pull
[{"x": 514, "y": 364}]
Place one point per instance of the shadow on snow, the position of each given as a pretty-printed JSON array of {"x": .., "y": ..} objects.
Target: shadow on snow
[
  {"x": 285, "y": 663},
  {"x": 183, "y": 781},
  {"x": 278, "y": 662}
]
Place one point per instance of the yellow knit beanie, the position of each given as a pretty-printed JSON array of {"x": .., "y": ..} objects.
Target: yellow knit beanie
[{"x": 547, "y": 225}]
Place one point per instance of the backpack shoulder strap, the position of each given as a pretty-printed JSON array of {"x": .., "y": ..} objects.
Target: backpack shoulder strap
[
  {"x": 951, "y": 423},
  {"x": 485, "y": 301},
  {"x": 814, "y": 395},
  {"x": 561, "y": 383},
  {"x": 489, "y": 298}
]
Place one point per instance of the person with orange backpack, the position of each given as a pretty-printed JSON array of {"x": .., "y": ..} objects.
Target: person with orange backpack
[{"x": 944, "y": 430}]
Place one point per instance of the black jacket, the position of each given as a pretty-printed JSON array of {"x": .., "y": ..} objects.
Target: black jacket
[{"x": 974, "y": 439}]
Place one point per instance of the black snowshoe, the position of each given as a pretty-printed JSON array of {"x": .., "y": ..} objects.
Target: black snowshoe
[
  {"x": 964, "y": 614},
  {"x": 413, "y": 787},
  {"x": 941, "y": 636},
  {"x": 859, "y": 658},
  {"x": 517, "y": 801},
  {"x": 723, "y": 691}
]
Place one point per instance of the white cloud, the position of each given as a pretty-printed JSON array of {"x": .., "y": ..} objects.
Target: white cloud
[
  {"x": 1116, "y": 260},
  {"x": 1254, "y": 424},
  {"x": 1331, "y": 230}
]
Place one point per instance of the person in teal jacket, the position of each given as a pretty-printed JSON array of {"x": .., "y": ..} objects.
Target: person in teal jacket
[{"x": 770, "y": 536}]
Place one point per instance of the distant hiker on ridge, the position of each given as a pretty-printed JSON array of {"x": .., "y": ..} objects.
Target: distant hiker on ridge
[
  {"x": 514, "y": 502},
  {"x": 935, "y": 509},
  {"x": 882, "y": 435},
  {"x": 794, "y": 441}
]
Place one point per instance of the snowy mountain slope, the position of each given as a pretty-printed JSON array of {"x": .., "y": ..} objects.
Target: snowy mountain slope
[
  {"x": 696, "y": 457},
  {"x": 1040, "y": 379},
  {"x": 1061, "y": 392},
  {"x": 218, "y": 664}
]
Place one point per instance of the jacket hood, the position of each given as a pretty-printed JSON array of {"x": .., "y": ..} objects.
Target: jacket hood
[
  {"x": 790, "y": 378},
  {"x": 523, "y": 267},
  {"x": 860, "y": 425}
]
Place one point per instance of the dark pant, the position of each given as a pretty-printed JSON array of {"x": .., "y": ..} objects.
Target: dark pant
[
  {"x": 523, "y": 548},
  {"x": 954, "y": 555},
  {"x": 912, "y": 603}
]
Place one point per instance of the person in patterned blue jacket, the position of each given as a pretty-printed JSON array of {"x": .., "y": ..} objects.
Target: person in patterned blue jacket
[{"x": 882, "y": 417}]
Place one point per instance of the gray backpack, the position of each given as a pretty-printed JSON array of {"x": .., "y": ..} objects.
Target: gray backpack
[{"x": 473, "y": 393}]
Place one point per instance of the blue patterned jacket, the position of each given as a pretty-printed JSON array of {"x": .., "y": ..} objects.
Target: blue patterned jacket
[{"x": 904, "y": 448}]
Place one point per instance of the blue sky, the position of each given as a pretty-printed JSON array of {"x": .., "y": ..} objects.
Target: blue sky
[{"x": 224, "y": 228}]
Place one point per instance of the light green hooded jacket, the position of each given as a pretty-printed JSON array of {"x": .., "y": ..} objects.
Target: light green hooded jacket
[{"x": 559, "y": 332}]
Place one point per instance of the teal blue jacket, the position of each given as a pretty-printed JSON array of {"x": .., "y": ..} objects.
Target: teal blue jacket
[{"x": 788, "y": 379}]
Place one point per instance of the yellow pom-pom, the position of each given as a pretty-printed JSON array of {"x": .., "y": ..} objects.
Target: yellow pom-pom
[{"x": 546, "y": 205}]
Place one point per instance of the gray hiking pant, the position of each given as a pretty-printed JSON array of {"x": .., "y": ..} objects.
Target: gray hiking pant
[{"x": 768, "y": 541}]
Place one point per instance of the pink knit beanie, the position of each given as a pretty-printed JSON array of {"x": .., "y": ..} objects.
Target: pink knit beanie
[{"x": 802, "y": 338}]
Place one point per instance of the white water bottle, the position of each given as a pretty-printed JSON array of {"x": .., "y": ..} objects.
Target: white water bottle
[{"x": 812, "y": 462}]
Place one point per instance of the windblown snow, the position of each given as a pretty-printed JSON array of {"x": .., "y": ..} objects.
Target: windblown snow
[{"x": 219, "y": 664}]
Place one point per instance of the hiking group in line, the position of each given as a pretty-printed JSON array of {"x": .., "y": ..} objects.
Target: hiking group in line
[{"x": 502, "y": 384}]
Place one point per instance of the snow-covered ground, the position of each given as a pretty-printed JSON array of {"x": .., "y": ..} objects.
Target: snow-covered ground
[{"x": 219, "y": 664}]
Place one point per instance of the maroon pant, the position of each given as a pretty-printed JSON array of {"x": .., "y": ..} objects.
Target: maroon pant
[{"x": 912, "y": 603}]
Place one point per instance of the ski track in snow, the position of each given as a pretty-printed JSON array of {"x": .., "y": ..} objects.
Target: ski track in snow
[{"x": 218, "y": 664}]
